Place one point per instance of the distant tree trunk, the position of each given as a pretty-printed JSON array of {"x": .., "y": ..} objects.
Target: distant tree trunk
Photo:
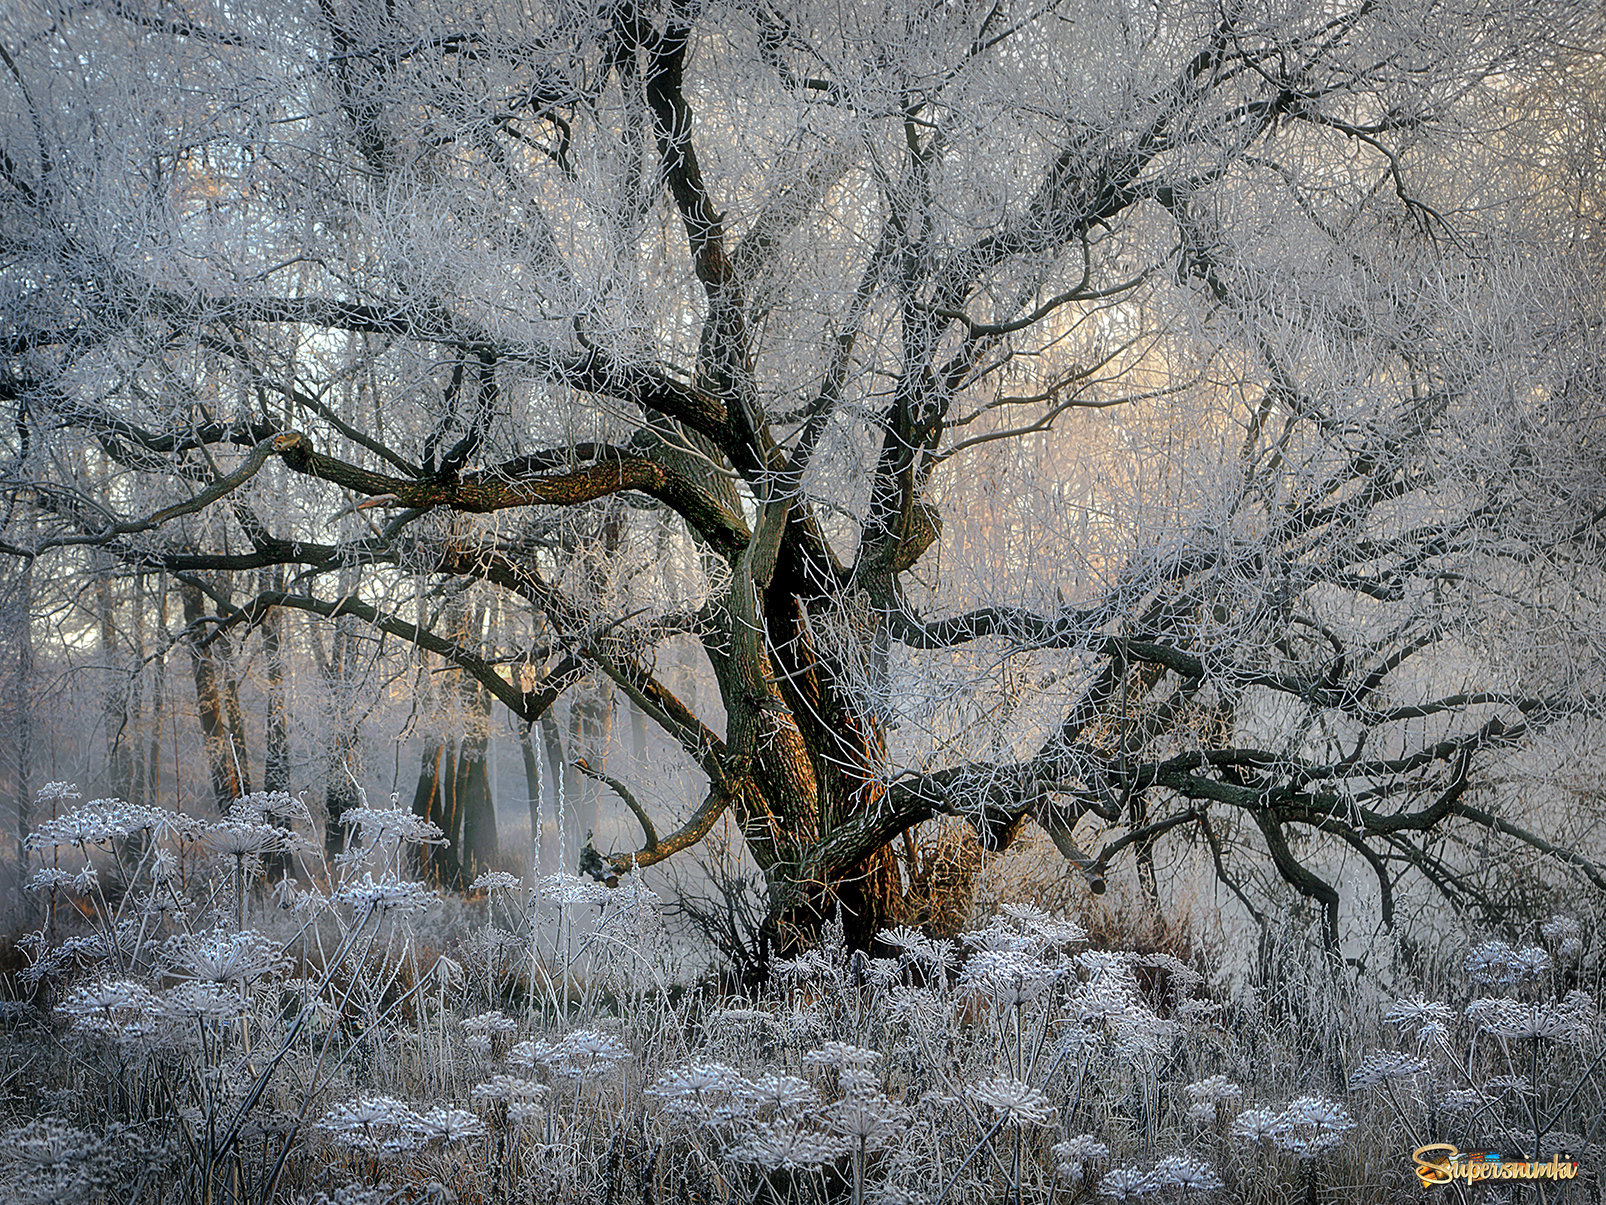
[
  {"x": 227, "y": 763},
  {"x": 540, "y": 839},
  {"x": 340, "y": 790},
  {"x": 276, "y": 748},
  {"x": 475, "y": 806},
  {"x": 114, "y": 708},
  {"x": 16, "y": 623},
  {"x": 342, "y": 762},
  {"x": 153, "y": 758},
  {"x": 433, "y": 801},
  {"x": 596, "y": 736},
  {"x": 476, "y": 809},
  {"x": 138, "y": 783},
  {"x": 574, "y": 788},
  {"x": 557, "y": 778}
]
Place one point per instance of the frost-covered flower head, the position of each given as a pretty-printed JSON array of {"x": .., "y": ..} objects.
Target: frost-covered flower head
[
  {"x": 786, "y": 1145},
  {"x": 447, "y": 1125},
  {"x": 1051, "y": 932},
  {"x": 98, "y": 822},
  {"x": 914, "y": 947},
  {"x": 1413, "y": 1012},
  {"x": 485, "y": 1032},
  {"x": 779, "y": 1094},
  {"x": 494, "y": 1022},
  {"x": 395, "y": 825},
  {"x": 1009, "y": 977},
  {"x": 1015, "y": 1103},
  {"x": 697, "y": 1089},
  {"x": 507, "y": 1089},
  {"x": 1555, "y": 1021},
  {"x": 270, "y": 807},
  {"x": 587, "y": 1052},
  {"x": 1383, "y": 1065},
  {"x": 1256, "y": 1125},
  {"x": 47, "y": 1160},
  {"x": 1207, "y": 1096},
  {"x": 243, "y": 839},
  {"x": 109, "y": 1007},
  {"x": 375, "y": 1125},
  {"x": 497, "y": 880},
  {"x": 1127, "y": 1184},
  {"x": 1494, "y": 963},
  {"x": 865, "y": 1116},
  {"x": 1566, "y": 934},
  {"x": 1104, "y": 1004},
  {"x": 1075, "y": 1155},
  {"x": 565, "y": 889},
  {"x": 222, "y": 957},
  {"x": 841, "y": 1055},
  {"x": 385, "y": 897},
  {"x": 200, "y": 1001},
  {"x": 998, "y": 937},
  {"x": 1560, "y": 927},
  {"x": 1186, "y": 1173},
  {"x": 1311, "y": 1125},
  {"x": 1143, "y": 1032}
]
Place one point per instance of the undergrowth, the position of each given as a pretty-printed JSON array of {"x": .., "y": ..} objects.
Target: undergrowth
[{"x": 179, "y": 1028}]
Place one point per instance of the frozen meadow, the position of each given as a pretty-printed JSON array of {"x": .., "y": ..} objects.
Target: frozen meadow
[{"x": 210, "y": 1011}]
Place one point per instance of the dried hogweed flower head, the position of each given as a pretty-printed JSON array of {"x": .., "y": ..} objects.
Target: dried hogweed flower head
[
  {"x": 243, "y": 839},
  {"x": 1311, "y": 1125},
  {"x": 109, "y": 1008},
  {"x": 698, "y": 1089},
  {"x": 486, "y": 1032},
  {"x": 374, "y": 1125},
  {"x": 1555, "y": 1021},
  {"x": 385, "y": 897},
  {"x": 1208, "y": 1097},
  {"x": 1412, "y": 1012},
  {"x": 98, "y": 822},
  {"x": 1494, "y": 963},
  {"x": 842, "y": 1056},
  {"x": 1075, "y": 1155},
  {"x": 1383, "y": 1065},
  {"x": 1566, "y": 934},
  {"x": 1256, "y": 1126},
  {"x": 1186, "y": 1173},
  {"x": 1009, "y": 977},
  {"x": 865, "y": 1116},
  {"x": 1014, "y": 1103},
  {"x": 780, "y": 1094},
  {"x": 378, "y": 827},
  {"x": 446, "y": 1126},
  {"x": 586, "y": 1052},
  {"x": 497, "y": 880},
  {"x": 1127, "y": 1184},
  {"x": 785, "y": 1145}
]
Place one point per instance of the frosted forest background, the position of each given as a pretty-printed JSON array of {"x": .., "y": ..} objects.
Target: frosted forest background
[{"x": 753, "y": 602}]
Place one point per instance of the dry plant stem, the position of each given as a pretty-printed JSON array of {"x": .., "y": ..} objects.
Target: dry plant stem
[{"x": 986, "y": 1141}]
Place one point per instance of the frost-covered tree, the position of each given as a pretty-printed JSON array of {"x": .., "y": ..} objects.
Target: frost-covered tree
[{"x": 1148, "y": 421}]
